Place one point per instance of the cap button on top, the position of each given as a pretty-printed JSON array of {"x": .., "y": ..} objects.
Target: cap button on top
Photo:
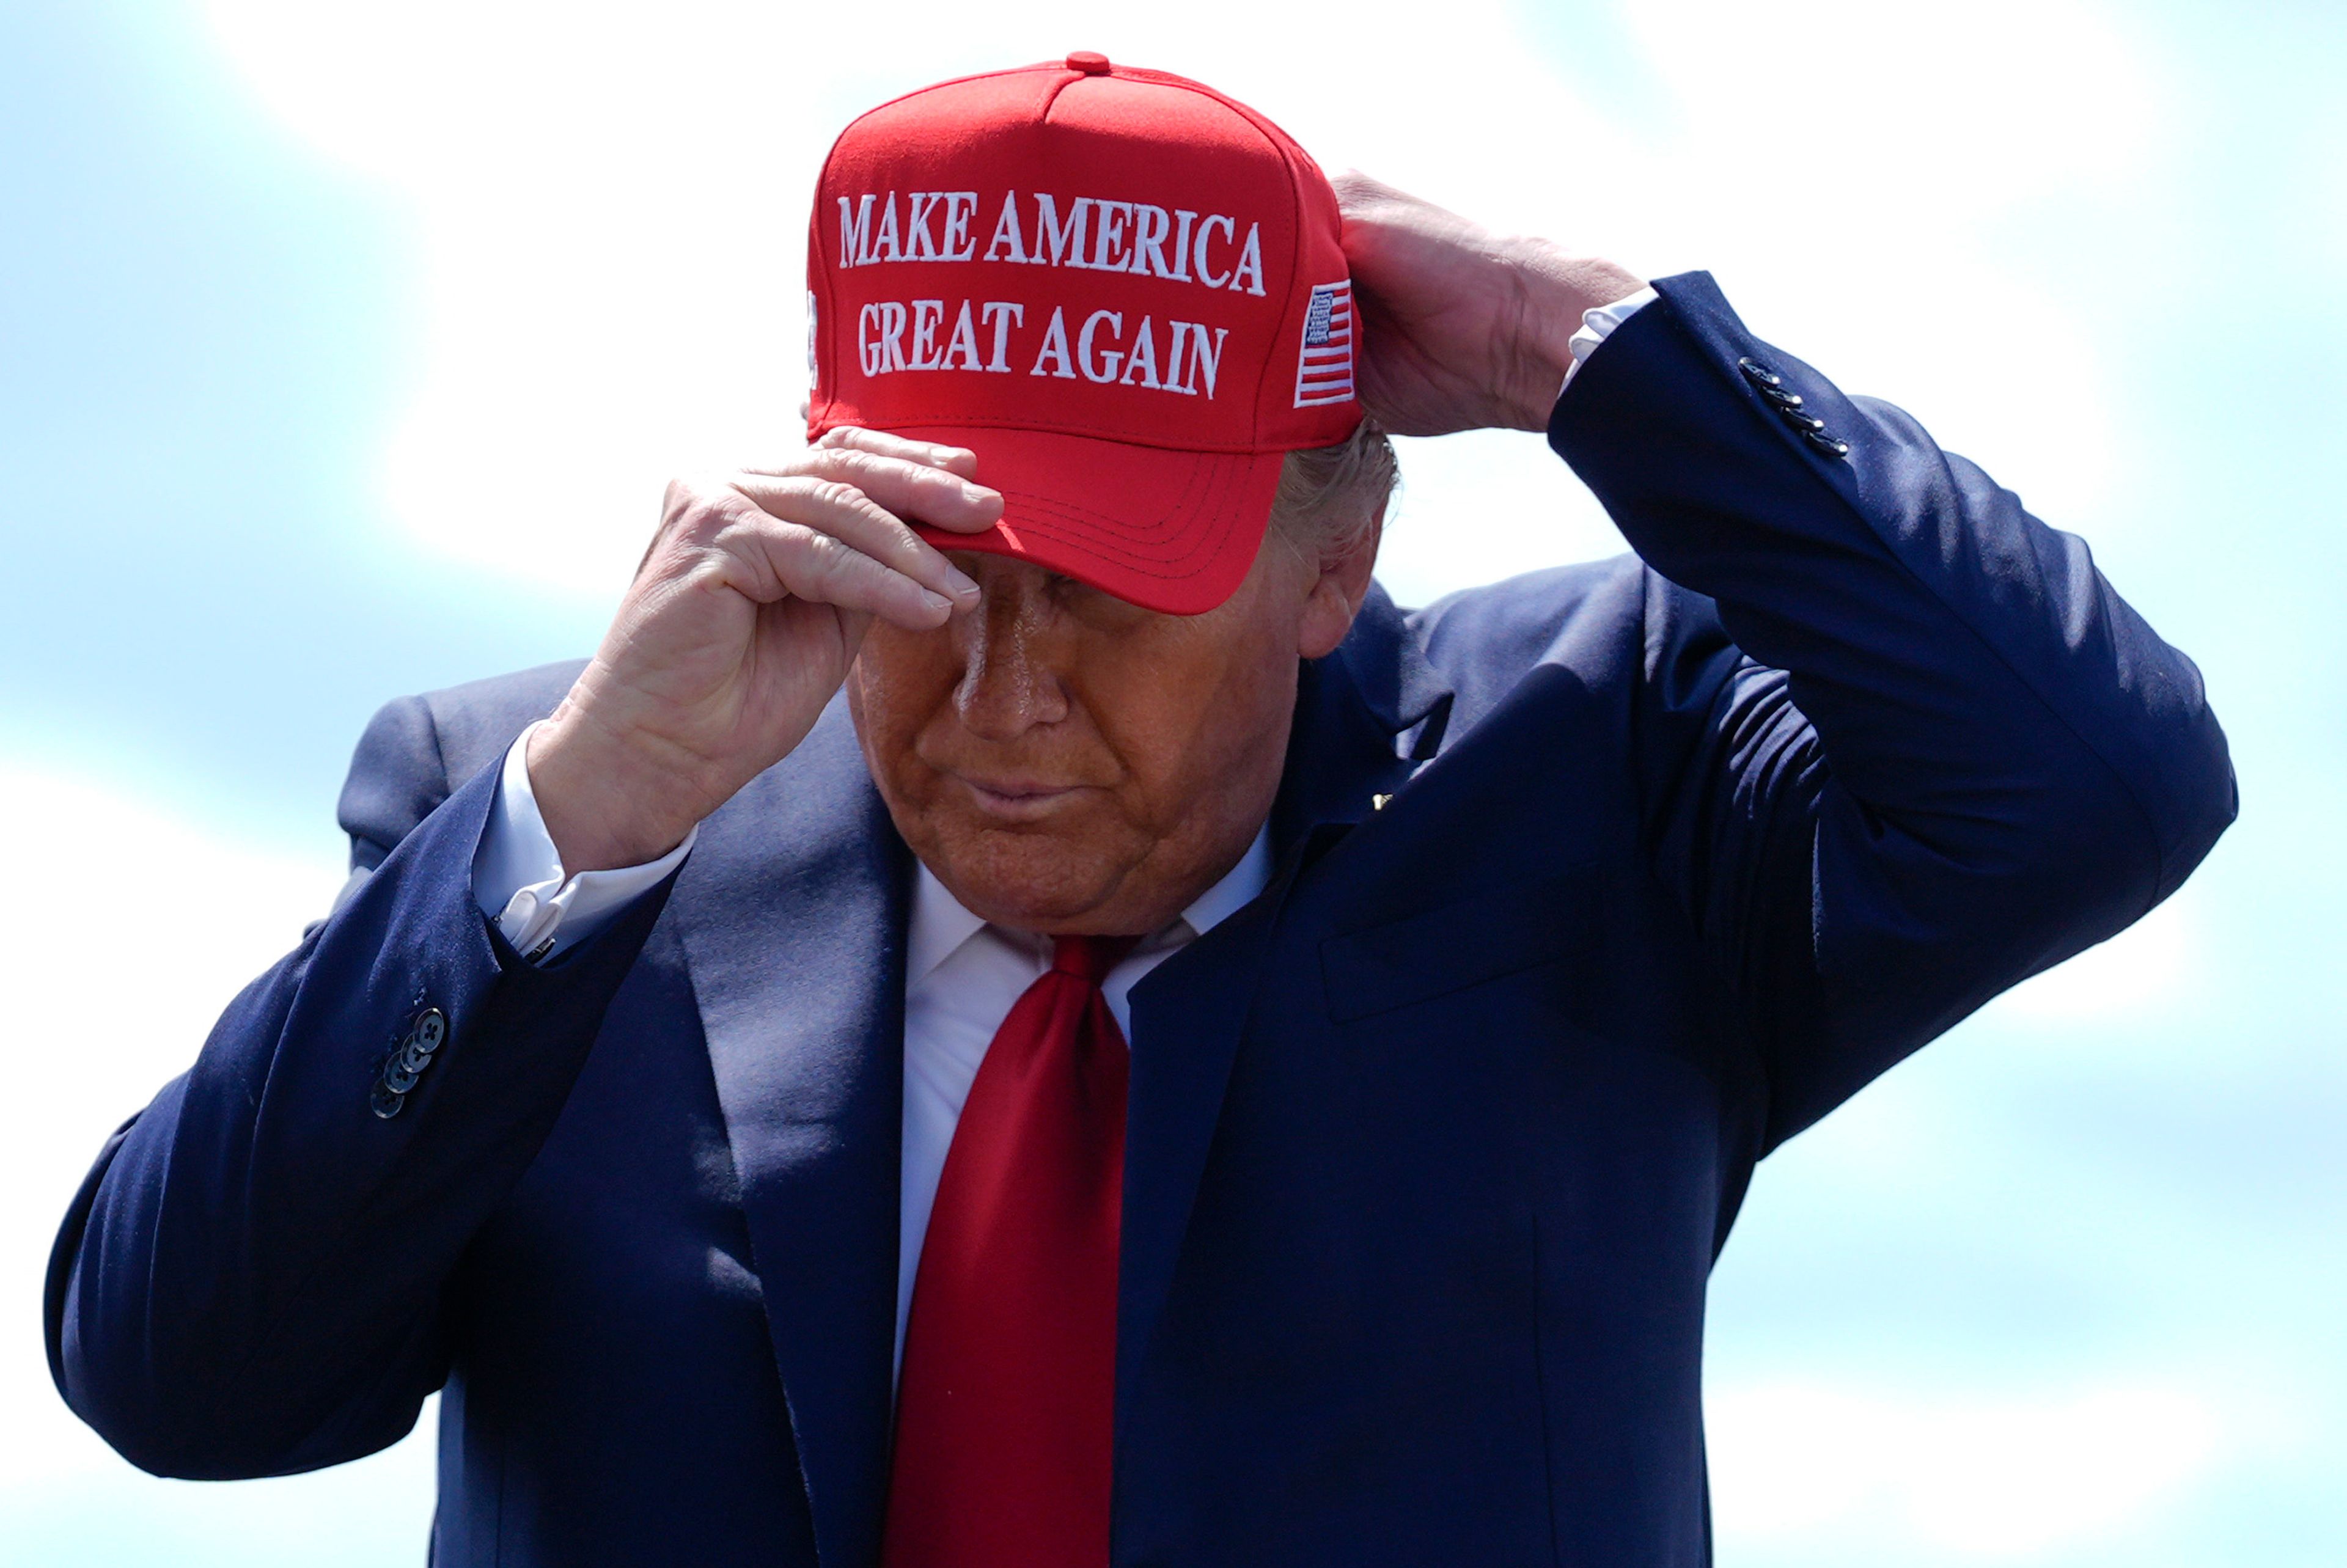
[{"x": 1090, "y": 64}]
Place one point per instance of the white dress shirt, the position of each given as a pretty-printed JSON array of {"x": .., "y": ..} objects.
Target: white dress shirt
[
  {"x": 961, "y": 978},
  {"x": 961, "y": 974},
  {"x": 1596, "y": 326}
]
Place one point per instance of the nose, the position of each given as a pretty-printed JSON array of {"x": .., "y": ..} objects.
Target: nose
[{"x": 1008, "y": 681}]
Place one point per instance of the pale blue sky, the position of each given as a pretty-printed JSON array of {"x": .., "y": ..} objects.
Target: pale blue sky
[{"x": 341, "y": 359}]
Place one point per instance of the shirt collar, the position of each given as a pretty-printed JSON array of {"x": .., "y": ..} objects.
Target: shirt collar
[
  {"x": 1236, "y": 890},
  {"x": 941, "y": 925}
]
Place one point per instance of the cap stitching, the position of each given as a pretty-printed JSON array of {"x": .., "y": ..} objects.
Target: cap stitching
[
  {"x": 1211, "y": 508},
  {"x": 1279, "y": 142},
  {"x": 1087, "y": 432},
  {"x": 827, "y": 351},
  {"x": 1165, "y": 570},
  {"x": 1177, "y": 511}
]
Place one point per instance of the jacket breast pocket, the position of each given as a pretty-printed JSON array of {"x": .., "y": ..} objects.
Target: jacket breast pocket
[{"x": 1493, "y": 932}]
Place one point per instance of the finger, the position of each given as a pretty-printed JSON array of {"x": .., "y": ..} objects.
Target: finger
[
  {"x": 700, "y": 514},
  {"x": 916, "y": 491},
  {"x": 822, "y": 568},
  {"x": 770, "y": 537},
  {"x": 959, "y": 460},
  {"x": 902, "y": 477},
  {"x": 849, "y": 514}
]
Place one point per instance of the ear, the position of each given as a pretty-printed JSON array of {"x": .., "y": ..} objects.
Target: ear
[{"x": 1335, "y": 596}]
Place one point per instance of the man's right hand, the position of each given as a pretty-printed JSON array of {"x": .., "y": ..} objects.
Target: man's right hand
[{"x": 741, "y": 624}]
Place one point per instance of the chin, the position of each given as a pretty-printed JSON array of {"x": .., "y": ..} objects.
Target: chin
[{"x": 1033, "y": 881}]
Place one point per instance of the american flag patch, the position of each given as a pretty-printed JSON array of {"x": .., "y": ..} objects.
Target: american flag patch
[{"x": 1324, "y": 374}]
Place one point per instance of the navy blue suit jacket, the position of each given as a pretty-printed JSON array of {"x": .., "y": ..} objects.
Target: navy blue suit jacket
[{"x": 1431, "y": 1146}]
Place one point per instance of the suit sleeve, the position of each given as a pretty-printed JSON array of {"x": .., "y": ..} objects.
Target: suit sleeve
[
  {"x": 1914, "y": 749},
  {"x": 252, "y": 1280}
]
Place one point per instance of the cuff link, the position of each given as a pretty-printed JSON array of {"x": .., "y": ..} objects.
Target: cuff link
[
  {"x": 1790, "y": 409},
  {"x": 404, "y": 1068}
]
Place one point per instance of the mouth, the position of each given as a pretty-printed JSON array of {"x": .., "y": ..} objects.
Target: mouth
[{"x": 1018, "y": 800}]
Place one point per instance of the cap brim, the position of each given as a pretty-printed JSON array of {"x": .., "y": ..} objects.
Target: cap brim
[{"x": 1170, "y": 531}]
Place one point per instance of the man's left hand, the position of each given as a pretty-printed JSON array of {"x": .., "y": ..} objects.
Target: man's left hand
[{"x": 1463, "y": 329}]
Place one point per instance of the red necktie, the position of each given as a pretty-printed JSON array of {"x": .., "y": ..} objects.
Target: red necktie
[{"x": 1006, "y": 1397}]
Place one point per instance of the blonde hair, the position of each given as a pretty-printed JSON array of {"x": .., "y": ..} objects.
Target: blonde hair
[{"x": 1333, "y": 499}]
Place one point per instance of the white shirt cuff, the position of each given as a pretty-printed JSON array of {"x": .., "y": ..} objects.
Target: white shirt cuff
[
  {"x": 1597, "y": 325},
  {"x": 518, "y": 876}
]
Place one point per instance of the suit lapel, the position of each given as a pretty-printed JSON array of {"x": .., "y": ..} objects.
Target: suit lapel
[
  {"x": 791, "y": 911},
  {"x": 1353, "y": 711}
]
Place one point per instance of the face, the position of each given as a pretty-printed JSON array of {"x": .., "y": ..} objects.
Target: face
[{"x": 1065, "y": 762}]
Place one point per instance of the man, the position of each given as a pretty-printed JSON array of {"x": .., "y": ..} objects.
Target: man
[{"x": 714, "y": 1077}]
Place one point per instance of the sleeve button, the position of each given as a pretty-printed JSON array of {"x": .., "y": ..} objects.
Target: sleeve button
[
  {"x": 385, "y": 1102},
  {"x": 1832, "y": 446},
  {"x": 431, "y": 1028},
  {"x": 1759, "y": 375}
]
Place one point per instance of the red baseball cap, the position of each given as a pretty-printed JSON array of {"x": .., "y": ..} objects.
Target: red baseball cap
[{"x": 1123, "y": 291}]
